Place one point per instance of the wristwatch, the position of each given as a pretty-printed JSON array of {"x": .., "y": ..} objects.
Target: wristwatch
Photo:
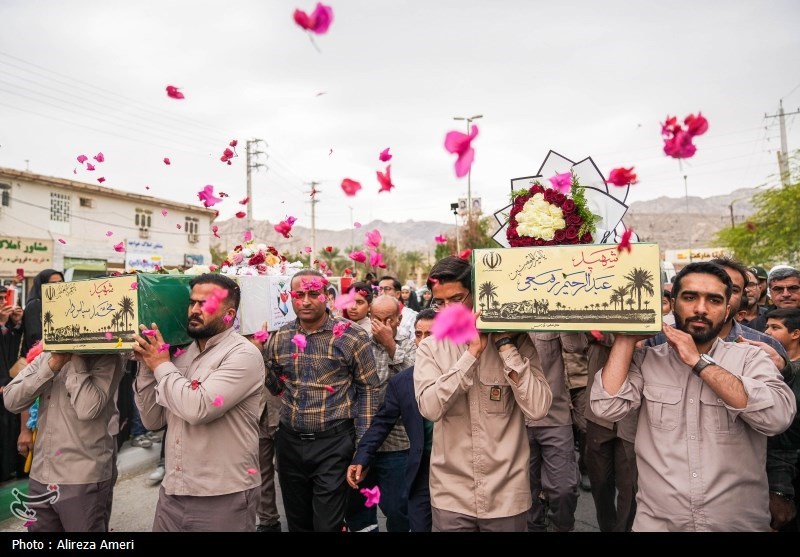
[
  {"x": 502, "y": 342},
  {"x": 704, "y": 361}
]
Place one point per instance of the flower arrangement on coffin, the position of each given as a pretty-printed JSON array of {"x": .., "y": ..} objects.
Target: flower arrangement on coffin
[
  {"x": 543, "y": 216},
  {"x": 250, "y": 258}
]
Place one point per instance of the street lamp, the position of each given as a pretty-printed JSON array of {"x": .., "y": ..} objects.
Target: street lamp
[
  {"x": 469, "y": 173},
  {"x": 454, "y": 208}
]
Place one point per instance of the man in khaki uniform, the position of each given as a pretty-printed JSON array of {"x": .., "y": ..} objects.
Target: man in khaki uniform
[{"x": 74, "y": 451}]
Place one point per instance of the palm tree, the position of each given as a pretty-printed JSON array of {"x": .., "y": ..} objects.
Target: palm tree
[
  {"x": 605, "y": 306},
  {"x": 47, "y": 318},
  {"x": 114, "y": 322},
  {"x": 646, "y": 303},
  {"x": 621, "y": 292},
  {"x": 126, "y": 306},
  {"x": 614, "y": 299},
  {"x": 489, "y": 291},
  {"x": 640, "y": 279},
  {"x": 630, "y": 303}
]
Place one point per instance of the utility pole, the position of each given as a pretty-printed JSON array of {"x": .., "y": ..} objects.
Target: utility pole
[
  {"x": 469, "y": 178},
  {"x": 252, "y": 162},
  {"x": 688, "y": 219},
  {"x": 783, "y": 154},
  {"x": 352, "y": 230},
  {"x": 313, "y": 193}
]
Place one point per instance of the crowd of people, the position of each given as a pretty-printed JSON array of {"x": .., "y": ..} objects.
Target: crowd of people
[{"x": 360, "y": 409}]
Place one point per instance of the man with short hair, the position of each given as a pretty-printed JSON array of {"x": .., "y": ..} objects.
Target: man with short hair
[
  {"x": 706, "y": 408},
  {"x": 762, "y": 277},
  {"x": 400, "y": 403},
  {"x": 393, "y": 353},
  {"x": 390, "y": 286},
  {"x": 751, "y": 313},
  {"x": 731, "y": 330},
  {"x": 478, "y": 395},
  {"x": 325, "y": 369},
  {"x": 784, "y": 287},
  {"x": 211, "y": 396},
  {"x": 783, "y": 450}
]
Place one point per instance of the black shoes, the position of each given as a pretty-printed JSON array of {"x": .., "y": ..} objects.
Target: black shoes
[{"x": 276, "y": 527}]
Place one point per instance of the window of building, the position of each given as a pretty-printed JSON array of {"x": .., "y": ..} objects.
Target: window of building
[
  {"x": 87, "y": 202},
  {"x": 59, "y": 207},
  {"x": 142, "y": 220},
  {"x": 5, "y": 195},
  {"x": 192, "y": 226}
]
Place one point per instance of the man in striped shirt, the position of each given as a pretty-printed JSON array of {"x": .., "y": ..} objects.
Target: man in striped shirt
[{"x": 324, "y": 369}]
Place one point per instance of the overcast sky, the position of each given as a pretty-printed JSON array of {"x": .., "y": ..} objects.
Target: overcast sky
[{"x": 584, "y": 78}]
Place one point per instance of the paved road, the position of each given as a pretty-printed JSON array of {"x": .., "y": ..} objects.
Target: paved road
[{"x": 135, "y": 498}]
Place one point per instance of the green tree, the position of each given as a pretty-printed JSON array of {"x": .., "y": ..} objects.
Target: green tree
[
  {"x": 770, "y": 236},
  {"x": 638, "y": 280},
  {"x": 218, "y": 255}
]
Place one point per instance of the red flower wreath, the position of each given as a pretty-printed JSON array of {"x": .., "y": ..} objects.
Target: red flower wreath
[{"x": 564, "y": 236}]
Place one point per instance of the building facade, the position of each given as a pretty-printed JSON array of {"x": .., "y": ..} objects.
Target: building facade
[{"x": 86, "y": 230}]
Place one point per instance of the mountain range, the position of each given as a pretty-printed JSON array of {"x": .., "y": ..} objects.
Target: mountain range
[{"x": 671, "y": 222}]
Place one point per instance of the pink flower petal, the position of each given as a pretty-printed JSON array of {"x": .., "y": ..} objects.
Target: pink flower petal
[
  {"x": 345, "y": 301},
  {"x": 240, "y": 215},
  {"x": 62, "y": 241},
  {"x": 89, "y": 167},
  {"x": 134, "y": 285},
  {"x": 299, "y": 341},
  {"x": 625, "y": 241},
  {"x": 214, "y": 230},
  {"x": 99, "y": 157},
  {"x": 248, "y": 235},
  {"x": 307, "y": 249},
  {"x": 149, "y": 332},
  {"x": 82, "y": 158},
  {"x": 109, "y": 233},
  {"x": 166, "y": 161},
  {"x": 358, "y": 256},
  {"x": 356, "y": 224},
  {"x": 227, "y": 319},
  {"x": 330, "y": 389},
  {"x": 385, "y": 156},
  {"x": 261, "y": 336},
  {"x": 178, "y": 352},
  {"x": 164, "y": 212},
  {"x": 562, "y": 182},
  {"x": 373, "y": 496},
  {"x": 340, "y": 328},
  {"x": 109, "y": 336},
  {"x": 350, "y": 187},
  {"x": 101, "y": 179},
  {"x": 461, "y": 145},
  {"x": 218, "y": 401},
  {"x": 164, "y": 347},
  {"x": 120, "y": 247},
  {"x": 597, "y": 335},
  {"x": 440, "y": 239},
  {"x": 252, "y": 471},
  {"x": 622, "y": 176},
  {"x": 206, "y": 195},
  {"x": 376, "y": 259},
  {"x": 372, "y": 239},
  {"x": 174, "y": 93},
  {"x": 455, "y": 322}
]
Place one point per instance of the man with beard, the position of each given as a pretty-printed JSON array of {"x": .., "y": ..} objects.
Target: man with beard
[
  {"x": 211, "y": 397},
  {"x": 751, "y": 313},
  {"x": 733, "y": 331},
  {"x": 706, "y": 408}
]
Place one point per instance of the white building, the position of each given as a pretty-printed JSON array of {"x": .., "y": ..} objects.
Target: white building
[{"x": 48, "y": 222}]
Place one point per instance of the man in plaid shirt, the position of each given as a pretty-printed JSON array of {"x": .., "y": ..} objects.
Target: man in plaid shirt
[{"x": 324, "y": 369}]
